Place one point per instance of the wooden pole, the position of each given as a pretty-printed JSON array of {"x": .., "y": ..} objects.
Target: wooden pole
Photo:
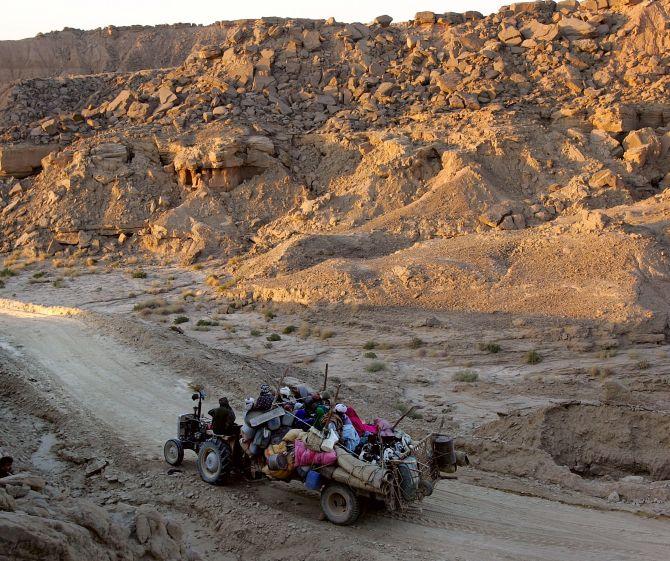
[
  {"x": 325, "y": 379},
  {"x": 403, "y": 416}
]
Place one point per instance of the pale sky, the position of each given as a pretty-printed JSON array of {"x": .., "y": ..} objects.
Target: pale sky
[{"x": 26, "y": 18}]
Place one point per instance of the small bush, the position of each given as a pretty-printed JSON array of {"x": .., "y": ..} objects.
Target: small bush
[
  {"x": 492, "y": 348},
  {"x": 370, "y": 355},
  {"x": 466, "y": 376},
  {"x": 180, "y": 319},
  {"x": 169, "y": 309},
  {"x": 274, "y": 337},
  {"x": 206, "y": 323},
  {"x": 90, "y": 261},
  {"x": 58, "y": 283},
  {"x": 533, "y": 357},
  {"x": 212, "y": 280},
  {"x": 269, "y": 314},
  {"x": 138, "y": 275},
  {"x": 327, "y": 334},
  {"x": 289, "y": 329},
  {"x": 151, "y": 304},
  {"x": 2, "y": 283},
  {"x": 370, "y": 345},
  {"x": 375, "y": 366},
  {"x": 228, "y": 284},
  {"x": 305, "y": 331},
  {"x": 39, "y": 275},
  {"x": 7, "y": 272},
  {"x": 255, "y": 333},
  {"x": 642, "y": 364},
  {"x": 416, "y": 343},
  {"x": 267, "y": 345}
]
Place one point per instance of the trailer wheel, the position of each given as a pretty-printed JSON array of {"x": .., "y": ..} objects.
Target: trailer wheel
[
  {"x": 340, "y": 504},
  {"x": 173, "y": 451},
  {"x": 215, "y": 460}
]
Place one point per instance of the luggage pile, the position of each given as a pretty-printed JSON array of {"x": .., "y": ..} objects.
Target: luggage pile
[{"x": 295, "y": 432}]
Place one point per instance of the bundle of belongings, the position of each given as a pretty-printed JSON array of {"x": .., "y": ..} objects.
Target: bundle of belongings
[{"x": 295, "y": 430}]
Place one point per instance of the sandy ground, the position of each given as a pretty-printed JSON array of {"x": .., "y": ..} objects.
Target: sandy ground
[{"x": 122, "y": 388}]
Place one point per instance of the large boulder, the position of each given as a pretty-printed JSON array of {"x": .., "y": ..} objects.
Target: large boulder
[
  {"x": 641, "y": 147},
  {"x": 575, "y": 28},
  {"x": 22, "y": 160},
  {"x": 617, "y": 118},
  {"x": 539, "y": 31}
]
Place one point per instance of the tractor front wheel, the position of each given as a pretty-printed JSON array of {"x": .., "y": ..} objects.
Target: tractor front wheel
[{"x": 173, "y": 451}]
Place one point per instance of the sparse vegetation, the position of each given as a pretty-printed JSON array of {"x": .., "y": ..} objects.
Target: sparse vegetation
[
  {"x": 304, "y": 331},
  {"x": 468, "y": 376},
  {"x": 58, "y": 283},
  {"x": 2, "y": 283},
  {"x": 169, "y": 309},
  {"x": 370, "y": 345},
  {"x": 227, "y": 285},
  {"x": 642, "y": 364},
  {"x": 206, "y": 323},
  {"x": 289, "y": 329},
  {"x": 158, "y": 306},
  {"x": 370, "y": 355},
  {"x": 607, "y": 353},
  {"x": 375, "y": 366},
  {"x": 269, "y": 314},
  {"x": 180, "y": 319},
  {"x": 274, "y": 337},
  {"x": 255, "y": 333},
  {"x": 139, "y": 274},
  {"x": 7, "y": 272},
  {"x": 492, "y": 348},
  {"x": 533, "y": 357},
  {"x": 326, "y": 334},
  {"x": 416, "y": 342}
]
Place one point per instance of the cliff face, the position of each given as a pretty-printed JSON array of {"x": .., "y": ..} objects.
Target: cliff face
[{"x": 111, "y": 49}]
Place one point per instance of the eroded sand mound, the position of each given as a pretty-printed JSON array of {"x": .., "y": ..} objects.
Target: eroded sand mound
[{"x": 588, "y": 440}]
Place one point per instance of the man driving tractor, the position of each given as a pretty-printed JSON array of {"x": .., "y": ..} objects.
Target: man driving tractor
[{"x": 223, "y": 417}]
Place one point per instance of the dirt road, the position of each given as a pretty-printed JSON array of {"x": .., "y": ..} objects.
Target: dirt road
[{"x": 121, "y": 388}]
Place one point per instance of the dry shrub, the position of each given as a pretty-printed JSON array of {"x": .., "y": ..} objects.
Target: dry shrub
[
  {"x": 468, "y": 376},
  {"x": 169, "y": 309},
  {"x": 614, "y": 390},
  {"x": 150, "y": 304}
]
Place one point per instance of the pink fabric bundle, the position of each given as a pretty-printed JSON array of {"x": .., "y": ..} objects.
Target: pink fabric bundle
[
  {"x": 306, "y": 457},
  {"x": 384, "y": 427},
  {"x": 359, "y": 425}
]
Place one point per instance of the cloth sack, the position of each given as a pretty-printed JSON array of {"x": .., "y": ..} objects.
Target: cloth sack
[{"x": 303, "y": 456}]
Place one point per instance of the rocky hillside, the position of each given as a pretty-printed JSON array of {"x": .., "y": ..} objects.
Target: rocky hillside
[{"x": 508, "y": 163}]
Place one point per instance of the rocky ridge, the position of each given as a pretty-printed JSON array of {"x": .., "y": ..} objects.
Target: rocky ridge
[{"x": 321, "y": 155}]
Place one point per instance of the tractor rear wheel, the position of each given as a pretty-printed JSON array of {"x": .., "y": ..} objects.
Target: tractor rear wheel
[
  {"x": 340, "y": 504},
  {"x": 215, "y": 461},
  {"x": 173, "y": 451}
]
